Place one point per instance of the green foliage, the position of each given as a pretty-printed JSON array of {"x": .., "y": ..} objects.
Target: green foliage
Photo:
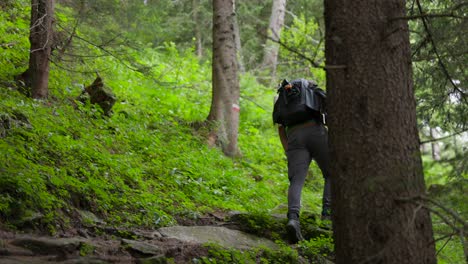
[
  {"x": 317, "y": 248},
  {"x": 86, "y": 249},
  {"x": 217, "y": 254},
  {"x": 14, "y": 33},
  {"x": 306, "y": 40},
  {"x": 145, "y": 165},
  {"x": 448, "y": 212},
  {"x": 439, "y": 59}
]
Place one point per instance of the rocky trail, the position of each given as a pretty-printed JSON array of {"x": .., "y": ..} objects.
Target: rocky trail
[{"x": 97, "y": 243}]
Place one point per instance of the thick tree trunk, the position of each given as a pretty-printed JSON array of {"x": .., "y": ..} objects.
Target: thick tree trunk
[
  {"x": 270, "y": 56},
  {"x": 42, "y": 19},
  {"x": 376, "y": 170},
  {"x": 225, "y": 101}
]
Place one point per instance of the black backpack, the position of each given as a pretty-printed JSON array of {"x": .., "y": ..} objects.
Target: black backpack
[{"x": 299, "y": 101}]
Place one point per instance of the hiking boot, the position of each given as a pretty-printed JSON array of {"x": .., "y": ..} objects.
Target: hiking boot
[{"x": 293, "y": 229}]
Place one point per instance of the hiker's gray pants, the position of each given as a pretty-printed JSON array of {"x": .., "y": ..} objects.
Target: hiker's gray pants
[{"x": 305, "y": 144}]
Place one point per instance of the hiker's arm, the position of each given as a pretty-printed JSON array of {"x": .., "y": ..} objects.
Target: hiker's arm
[{"x": 283, "y": 137}]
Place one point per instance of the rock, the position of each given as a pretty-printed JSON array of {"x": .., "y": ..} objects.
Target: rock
[
  {"x": 49, "y": 246},
  {"x": 146, "y": 234},
  {"x": 85, "y": 260},
  {"x": 89, "y": 219},
  {"x": 153, "y": 260},
  {"x": 225, "y": 237},
  {"x": 9, "y": 250},
  {"x": 21, "y": 260},
  {"x": 141, "y": 249}
]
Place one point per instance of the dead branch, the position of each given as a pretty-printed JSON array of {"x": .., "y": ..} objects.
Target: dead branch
[
  {"x": 100, "y": 47},
  {"x": 69, "y": 40},
  {"x": 460, "y": 231},
  {"x": 451, "y": 13},
  {"x": 449, "y": 211},
  {"x": 414, "y": 17},
  {"x": 71, "y": 70},
  {"x": 301, "y": 55},
  {"x": 442, "y": 138}
]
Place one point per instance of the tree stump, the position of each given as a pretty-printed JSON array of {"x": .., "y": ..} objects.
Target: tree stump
[{"x": 101, "y": 95}]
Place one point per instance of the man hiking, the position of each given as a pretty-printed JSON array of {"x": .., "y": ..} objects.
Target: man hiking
[{"x": 300, "y": 114}]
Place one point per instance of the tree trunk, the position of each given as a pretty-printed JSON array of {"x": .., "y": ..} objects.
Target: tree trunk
[
  {"x": 197, "y": 29},
  {"x": 42, "y": 20},
  {"x": 270, "y": 57},
  {"x": 376, "y": 170},
  {"x": 435, "y": 147},
  {"x": 240, "y": 61},
  {"x": 225, "y": 101}
]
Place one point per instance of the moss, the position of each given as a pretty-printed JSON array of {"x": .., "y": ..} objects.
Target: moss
[{"x": 86, "y": 249}]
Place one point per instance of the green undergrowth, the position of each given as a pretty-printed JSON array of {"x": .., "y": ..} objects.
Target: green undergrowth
[
  {"x": 217, "y": 254},
  {"x": 145, "y": 165},
  {"x": 141, "y": 166},
  {"x": 315, "y": 250}
]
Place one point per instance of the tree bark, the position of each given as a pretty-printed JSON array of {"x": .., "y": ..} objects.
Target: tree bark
[
  {"x": 41, "y": 32},
  {"x": 270, "y": 57},
  {"x": 376, "y": 168},
  {"x": 225, "y": 98}
]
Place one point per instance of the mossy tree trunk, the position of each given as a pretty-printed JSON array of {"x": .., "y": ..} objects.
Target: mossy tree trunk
[
  {"x": 376, "y": 170},
  {"x": 226, "y": 92},
  {"x": 41, "y": 32}
]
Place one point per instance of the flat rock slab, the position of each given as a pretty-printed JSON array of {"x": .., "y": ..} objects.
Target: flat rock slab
[
  {"x": 46, "y": 245},
  {"x": 225, "y": 237}
]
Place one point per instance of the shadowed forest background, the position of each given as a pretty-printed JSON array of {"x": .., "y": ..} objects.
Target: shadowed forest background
[{"x": 150, "y": 159}]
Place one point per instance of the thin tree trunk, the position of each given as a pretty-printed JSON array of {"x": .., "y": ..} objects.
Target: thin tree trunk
[
  {"x": 42, "y": 19},
  {"x": 377, "y": 173},
  {"x": 225, "y": 101},
  {"x": 197, "y": 29},
  {"x": 270, "y": 57},
  {"x": 435, "y": 147},
  {"x": 240, "y": 60}
]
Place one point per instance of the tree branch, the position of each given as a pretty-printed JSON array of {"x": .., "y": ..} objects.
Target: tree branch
[
  {"x": 441, "y": 63},
  {"x": 70, "y": 70},
  {"x": 301, "y": 55},
  {"x": 100, "y": 47},
  {"x": 448, "y": 210},
  {"x": 69, "y": 40},
  {"x": 446, "y": 242},
  {"x": 456, "y": 217},
  {"x": 461, "y": 231},
  {"x": 442, "y": 138},
  {"x": 414, "y": 17},
  {"x": 450, "y": 13}
]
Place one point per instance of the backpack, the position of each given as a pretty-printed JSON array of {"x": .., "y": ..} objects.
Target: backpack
[{"x": 299, "y": 101}]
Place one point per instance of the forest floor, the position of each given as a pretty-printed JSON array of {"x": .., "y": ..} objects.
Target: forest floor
[
  {"x": 184, "y": 243},
  {"x": 101, "y": 244}
]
